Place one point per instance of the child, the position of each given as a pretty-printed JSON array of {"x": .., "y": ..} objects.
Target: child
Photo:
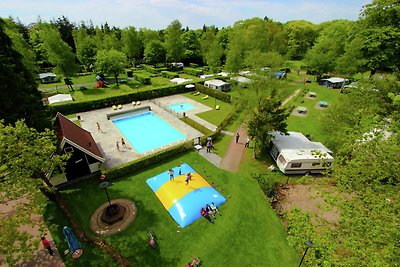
[
  {"x": 210, "y": 211},
  {"x": 214, "y": 208},
  {"x": 171, "y": 174},
  {"x": 47, "y": 245},
  {"x": 205, "y": 215},
  {"x": 188, "y": 178}
]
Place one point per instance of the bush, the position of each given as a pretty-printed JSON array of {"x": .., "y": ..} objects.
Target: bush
[
  {"x": 169, "y": 74},
  {"x": 192, "y": 71},
  {"x": 214, "y": 93},
  {"x": 150, "y": 69},
  {"x": 142, "y": 78}
]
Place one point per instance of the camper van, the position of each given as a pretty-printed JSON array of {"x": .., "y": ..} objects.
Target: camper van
[{"x": 295, "y": 154}]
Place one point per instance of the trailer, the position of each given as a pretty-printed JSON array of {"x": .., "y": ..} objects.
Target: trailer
[{"x": 296, "y": 154}]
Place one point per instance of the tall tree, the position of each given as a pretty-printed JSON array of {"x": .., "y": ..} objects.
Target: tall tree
[
  {"x": 25, "y": 157},
  {"x": 380, "y": 30},
  {"x": 65, "y": 28},
  {"x": 155, "y": 52},
  {"x": 173, "y": 41},
  {"x": 191, "y": 45},
  {"x": 59, "y": 54},
  {"x": 301, "y": 36},
  {"x": 20, "y": 97},
  {"x": 111, "y": 62},
  {"x": 130, "y": 43},
  {"x": 268, "y": 116},
  {"x": 329, "y": 46}
]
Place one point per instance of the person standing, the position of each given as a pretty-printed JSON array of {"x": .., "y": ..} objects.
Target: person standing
[
  {"x": 171, "y": 174},
  {"x": 247, "y": 142},
  {"x": 123, "y": 142},
  {"x": 117, "y": 144},
  {"x": 237, "y": 137},
  {"x": 99, "y": 128},
  {"x": 47, "y": 245},
  {"x": 208, "y": 146},
  {"x": 188, "y": 178},
  {"x": 180, "y": 169},
  {"x": 214, "y": 208}
]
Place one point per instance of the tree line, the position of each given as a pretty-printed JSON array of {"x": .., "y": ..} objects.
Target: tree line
[{"x": 339, "y": 46}]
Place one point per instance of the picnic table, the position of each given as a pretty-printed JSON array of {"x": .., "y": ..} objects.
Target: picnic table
[
  {"x": 323, "y": 104},
  {"x": 302, "y": 109},
  {"x": 312, "y": 94}
]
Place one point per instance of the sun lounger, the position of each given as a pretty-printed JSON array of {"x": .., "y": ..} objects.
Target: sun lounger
[
  {"x": 217, "y": 107},
  {"x": 205, "y": 97},
  {"x": 119, "y": 106},
  {"x": 138, "y": 103},
  {"x": 114, "y": 107},
  {"x": 133, "y": 103},
  {"x": 197, "y": 93}
]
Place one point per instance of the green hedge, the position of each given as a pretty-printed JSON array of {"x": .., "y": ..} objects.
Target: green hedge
[
  {"x": 151, "y": 160},
  {"x": 169, "y": 74},
  {"x": 192, "y": 71},
  {"x": 150, "y": 69},
  {"x": 214, "y": 93},
  {"x": 142, "y": 78},
  {"x": 82, "y": 106}
]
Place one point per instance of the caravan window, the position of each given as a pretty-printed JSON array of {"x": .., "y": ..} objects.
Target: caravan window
[
  {"x": 296, "y": 165},
  {"x": 315, "y": 164},
  {"x": 282, "y": 160}
]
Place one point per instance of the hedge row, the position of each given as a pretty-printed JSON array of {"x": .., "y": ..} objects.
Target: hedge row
[
  {"x": 143, "y": 78},
  {"x": 145, "y": 162},
  {"x": 169, "y": 74},
  {"x": 150, "y": 69},
  {"x": 82, "y": 106},
  {"x": 214, "y": 93},
  {"x": 192, "y": 71}
]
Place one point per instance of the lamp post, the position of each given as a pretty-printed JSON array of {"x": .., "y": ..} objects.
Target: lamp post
[
  {"x": 310, "y": 244},
  {"x": 104, "y": 185}
]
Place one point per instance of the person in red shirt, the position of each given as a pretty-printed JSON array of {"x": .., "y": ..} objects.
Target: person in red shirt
[
  {"x": 205, "y": 215},
  {"x": 47, "y": 245}
]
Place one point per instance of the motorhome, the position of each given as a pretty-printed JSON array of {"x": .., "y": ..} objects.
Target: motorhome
[{"x": 294, "y": 153}]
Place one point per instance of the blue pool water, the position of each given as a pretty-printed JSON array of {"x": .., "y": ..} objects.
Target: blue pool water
[
  {"x": 146, "y": 131},
  {"x": 181, "y": 107}
]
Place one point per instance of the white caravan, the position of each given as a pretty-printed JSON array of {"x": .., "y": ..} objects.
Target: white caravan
[{"x": 295, "y": 154}]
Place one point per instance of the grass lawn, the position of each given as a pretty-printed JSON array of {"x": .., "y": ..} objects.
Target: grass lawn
[
  {"x": 247, "y": 234},
  {"x": 212, "y": 116},
  {"x": 311, "y": 124}
]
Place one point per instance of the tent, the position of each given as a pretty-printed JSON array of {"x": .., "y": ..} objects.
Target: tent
[{"x": 59, "y": 98}]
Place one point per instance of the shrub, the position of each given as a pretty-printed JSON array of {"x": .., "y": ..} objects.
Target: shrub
[
  {"x": 150, "y": 69},
  {"x": 192, "y": 71},
  {"x": 143, "y": 78},
  {"x": 169, "y": 74},
  {"x": 214, "y": 93}
]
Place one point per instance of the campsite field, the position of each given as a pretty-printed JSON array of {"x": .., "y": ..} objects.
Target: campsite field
[{"x": 247, "y": 234}]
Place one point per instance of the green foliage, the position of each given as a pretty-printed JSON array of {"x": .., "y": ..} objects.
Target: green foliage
[
  {"x": 173, "y": 42},
  {"x": 58, "y": 52},
  {"x": 154, "y": 52},
  {"x": 169, "y": 74},
  {"x": 214, "y": 93},
  {"x": 192, "y": 71},
  {"x": 25, "y": 156},
  {"x": 86, "y": 51},
  {"x": 111, "y": 62},
  {"x": 267, "y": 117},
  {"x": 20, "y": 98},
  {"x": 191, "y": 46},
  {"x": 130, "y": 43},
  {"x": 143, "y": 78},
  {"x": 301, "y": 37}
]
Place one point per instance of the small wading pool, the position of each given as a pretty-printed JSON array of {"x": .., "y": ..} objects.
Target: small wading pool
[
  {"x": 181, "y": 107},
  {"x": 146, "y": 131}
]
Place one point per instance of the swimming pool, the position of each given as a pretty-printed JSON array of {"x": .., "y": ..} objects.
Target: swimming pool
[
  {"x": 146, "y": 131},
  {"x": 181, "y": 107}
]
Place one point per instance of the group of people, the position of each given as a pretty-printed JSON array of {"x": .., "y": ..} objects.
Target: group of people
[
  {"x": 210, "y": 146},
  {"x": 123, "y": 143},
  {"x": 247, "y": 140},
  {"x": 209, "y": 212}
]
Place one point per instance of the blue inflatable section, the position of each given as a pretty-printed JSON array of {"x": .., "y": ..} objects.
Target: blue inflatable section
[
  {"x": 187, "y": 209},
  {"x": 157, "y": 181}
]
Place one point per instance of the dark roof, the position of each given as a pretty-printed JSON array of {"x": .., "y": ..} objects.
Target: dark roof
[{"x": 76, "y": 136}]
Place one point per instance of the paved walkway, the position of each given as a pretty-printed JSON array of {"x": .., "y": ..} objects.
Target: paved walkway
[{"x": 235, "y": 151}]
